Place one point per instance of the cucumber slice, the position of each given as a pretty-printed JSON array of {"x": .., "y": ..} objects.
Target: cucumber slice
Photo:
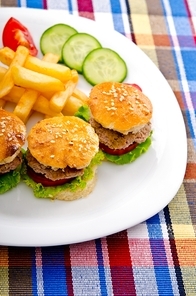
[
  {"x": 76, "y": 49},
  {"x": 102, "y": 65},
  {"x": 54, "y": 37}
]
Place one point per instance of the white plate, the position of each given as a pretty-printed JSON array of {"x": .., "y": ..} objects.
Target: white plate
[{"x": 124, "y": 195}]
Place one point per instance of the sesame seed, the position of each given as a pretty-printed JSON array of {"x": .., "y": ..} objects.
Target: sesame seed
[
  {"x": 52, "y": 156},
  {"x": 52, "y": 141},
  {"x": 106, "y": 93}
]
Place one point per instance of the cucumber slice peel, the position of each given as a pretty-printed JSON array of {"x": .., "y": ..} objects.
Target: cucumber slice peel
[
  {"x": 76, "y": 48},
  {"x": 102, "y": 65},
  {"x": 54, "y": 37}
]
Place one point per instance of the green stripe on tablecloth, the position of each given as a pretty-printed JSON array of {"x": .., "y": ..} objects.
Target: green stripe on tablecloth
[{"x": 4, "y": 281}]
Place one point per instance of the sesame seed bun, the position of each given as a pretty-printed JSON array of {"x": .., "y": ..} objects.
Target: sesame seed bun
[
  {"x": 12, "y": 136},
  {"x": 63, "y": 141},
  {"x": 119, "y": 107}
]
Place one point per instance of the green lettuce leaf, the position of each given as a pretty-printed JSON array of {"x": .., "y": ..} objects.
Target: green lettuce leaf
[
  {"x": 10, "y": 180},
  {"x": 130, "y": 156},
  {"x": 83, "y": 113},
  {"x": 78, "y": 183}
]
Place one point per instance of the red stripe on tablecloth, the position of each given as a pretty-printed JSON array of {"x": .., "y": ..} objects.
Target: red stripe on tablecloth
[
  {"x": 85, "y": 9},
  {"x": 120, "y": 264},
  {"x": 68, "y": 271},
  {"x": 45, "y": 6},
  {"x": 190, "y": 19}
]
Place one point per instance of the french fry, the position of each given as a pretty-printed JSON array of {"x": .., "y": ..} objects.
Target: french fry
[
  {"x": 72, "y": 105},
  {"x": 59, "y": 99},
  {"x": 52, "y": 69},
  {"x": 48, "y": 94},
  {"x": 6, "y": 55},
  {"x": 41, "y": 105},
  {"x": 80, "y": 95},
  {"x": 39, "y": 82},
  {"x": 51, "y": 57},
  {"x": 74, "y": 76},
  {"x": 7, "y": 81},
  {"x": 16, "y": 92},
  {"x": 29, "y": 97},
  {"x": 2, "y": 72},
  {"x": 25, "y": 104},
  {"x": 39, "y": 85},
  {"x": 58, "y": 71}
]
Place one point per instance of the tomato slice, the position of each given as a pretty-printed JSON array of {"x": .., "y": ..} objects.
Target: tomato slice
[
  {"x": 15, "y": 34},
  {"x": 134, "y": 85},
  {"x": 108, "y": 150},
  {"x": 39, "y": 178}
]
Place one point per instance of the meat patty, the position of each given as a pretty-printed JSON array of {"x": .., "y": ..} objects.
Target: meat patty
[
  {"x": 5, "y": 168},
  {"x": 116, "y": 140},
  {"x": 50, "y": 173}
]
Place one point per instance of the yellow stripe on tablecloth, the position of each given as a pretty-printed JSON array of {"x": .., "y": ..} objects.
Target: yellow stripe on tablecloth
[
  {"x": 184, "y": 236},
  {"x": 179, "y": 209},
  {"x": 142, "y": 29},
  {"x": 4, "y": 275},
  {"x": 138, "y": 7},
  {"x": 189, "y": 274}
]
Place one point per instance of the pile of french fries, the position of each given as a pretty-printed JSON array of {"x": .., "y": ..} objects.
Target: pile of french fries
[{"x": 40, "y": 85}]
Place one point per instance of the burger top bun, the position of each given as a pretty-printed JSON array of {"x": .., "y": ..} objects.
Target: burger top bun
[
  {"x": 63, "y": 141},
  {"x": 12, "y": 136},
  {"x": 120, "y": 107}
]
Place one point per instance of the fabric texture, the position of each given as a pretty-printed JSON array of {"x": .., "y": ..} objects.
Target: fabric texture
[{"x": 158, "y": 256}]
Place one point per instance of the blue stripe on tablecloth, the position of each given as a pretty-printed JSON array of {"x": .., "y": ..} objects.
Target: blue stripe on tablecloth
[
  {"x": 159, "y": 256},
  {"x": 53, "y": 267},
  {"x": 19, "y": 3},
  {"x": 117, "y": 16},
  {"x": 101, "y": 268},
  {"x": 31, "y": 4},
  {"x": 178, "y": 8},
  {"x": 70, "y": 6},
  {"x": 35, "y": 3}
]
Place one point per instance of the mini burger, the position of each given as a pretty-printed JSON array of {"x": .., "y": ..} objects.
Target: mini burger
[
  {"x": 61, "y": 159},
  {"x": 12, "y": 138},
  {"x": 120, "y": 115}
]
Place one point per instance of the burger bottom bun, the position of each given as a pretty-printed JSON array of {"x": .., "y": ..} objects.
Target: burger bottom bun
[{"x": 68, "y": 195}]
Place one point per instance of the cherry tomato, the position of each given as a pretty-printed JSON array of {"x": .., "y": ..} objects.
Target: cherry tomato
[
  {"x": 15, "y": 34},
  {"x": 134, "y": 85},
  {"x": 108, "y": 150},
  {"x": 39, "y": 178}
]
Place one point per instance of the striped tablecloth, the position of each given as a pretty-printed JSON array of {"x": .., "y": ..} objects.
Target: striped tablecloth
[{"x": 157, "y": 257}]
